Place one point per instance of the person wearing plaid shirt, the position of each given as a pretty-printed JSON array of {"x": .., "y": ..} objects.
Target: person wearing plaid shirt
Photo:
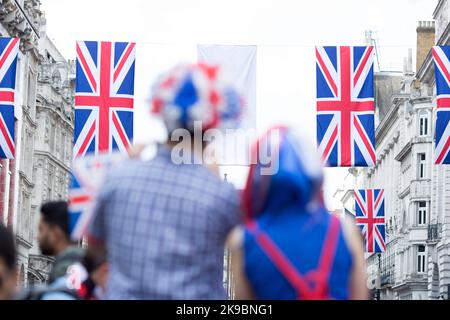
[{"x": 164, "y": 225}]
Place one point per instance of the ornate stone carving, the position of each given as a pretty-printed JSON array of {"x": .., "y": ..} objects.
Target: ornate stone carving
[{"x": 23, "y": 23}]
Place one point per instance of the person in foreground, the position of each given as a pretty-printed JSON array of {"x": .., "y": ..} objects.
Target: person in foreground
[
  {"x": 164, "y": 223},
  {"x": 290, "y": 246}
]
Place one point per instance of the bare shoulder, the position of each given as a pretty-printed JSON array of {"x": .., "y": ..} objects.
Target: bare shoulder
[
  {"x": 352, "y": 235},
  {"x": 236, "y": 238}
]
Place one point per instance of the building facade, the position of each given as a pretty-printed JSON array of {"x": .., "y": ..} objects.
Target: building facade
[
  {"x": 438, "y": 248},
  {"x": 43, "y": 133},
  {"x": 52, "y": 151},
  {"x": 416, "y": 264}
]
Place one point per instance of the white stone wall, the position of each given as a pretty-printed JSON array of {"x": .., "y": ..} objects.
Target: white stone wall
[
  {"x": 404, "y": 189},
  {"x": 33, "y": 155},
  {"x": 398, "y": 145}
]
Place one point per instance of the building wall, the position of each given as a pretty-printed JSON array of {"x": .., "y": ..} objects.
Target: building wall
[
  {"x": 23, "y": 179},
  {"x": 53, "y": 141},
  {"x": 399, "y": 146},
  {"x": 425, "y": 40}
]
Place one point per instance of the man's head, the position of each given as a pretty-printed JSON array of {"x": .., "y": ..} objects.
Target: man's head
[
  {"x": 97, "y": 268},
  {"x": 54, "y": 234},
  {"x": 8, "y": 269}
]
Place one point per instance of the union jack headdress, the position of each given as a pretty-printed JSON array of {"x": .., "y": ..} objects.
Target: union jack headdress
[
  {"x": 196, "y": 92},
  {"x": 293, "y": 176}
]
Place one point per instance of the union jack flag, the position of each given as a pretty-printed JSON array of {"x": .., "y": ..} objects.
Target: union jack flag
[
  {"x": 9, "y": 49},
  {"x": 88, "y": 174},
  {"x": 442, "y": 72},
  {"x": 369, "y": 206},
  {"x": 80, "y": 201},
  {"x": 345, "y": 106},
  {"x": 104, "y": 97}
]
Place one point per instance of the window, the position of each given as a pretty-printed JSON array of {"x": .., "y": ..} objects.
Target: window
[
  {"x": 31, "y": 93},
  {"x": 63, "y": 146},
  {"x": 421, "y": 169},
  {"x": 422, "y": 213},
  {"x": 52, "y": 137},
  {"x": 423, "y": 124},
  {"x": 50, "y": 182},
  {"x": 406, "y": 297},
  {"x": 420, "y": 259}
]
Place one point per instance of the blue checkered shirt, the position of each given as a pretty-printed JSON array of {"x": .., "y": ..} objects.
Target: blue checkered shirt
[{"x": 164, "y": 227}]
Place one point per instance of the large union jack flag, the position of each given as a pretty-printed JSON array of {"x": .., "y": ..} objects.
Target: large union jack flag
[
  {"x": 345, "y": 106},
  {"x": 369, "y": 206},
  {"x": 104, "y": 97},
  {"x": 9, "y": 49},
  {"x": 442, "y": 72}
]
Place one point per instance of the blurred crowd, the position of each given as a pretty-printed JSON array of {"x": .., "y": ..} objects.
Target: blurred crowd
[{"x": 160, "y": 227}]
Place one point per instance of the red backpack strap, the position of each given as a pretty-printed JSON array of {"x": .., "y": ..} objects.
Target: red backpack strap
[
  {"x": 280, "y": 261},
  {"x": 327, "y": 256}
]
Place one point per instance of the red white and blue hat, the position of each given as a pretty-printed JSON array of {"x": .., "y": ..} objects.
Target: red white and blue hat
[
  {"x": 294, "y": 175},
  {"x": 196, "y": 92}
]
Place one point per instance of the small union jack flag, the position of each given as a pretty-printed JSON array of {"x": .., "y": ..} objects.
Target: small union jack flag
[
  {"x": 442, "y": 72},
  {"x": 345, "y": 106},
  {"x": 88, "y": 174},
  {"x": 80, "y": 200},
  {"x": 9, "y": 49},
  {"x": 369, "y": 206},
  {"x": 104, "y": 97}
]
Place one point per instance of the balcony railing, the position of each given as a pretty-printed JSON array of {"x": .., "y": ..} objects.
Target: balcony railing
[
  {"x": 387, "y": 278},
  {"x": 420, "y": 188},
  {"x": 434, "y": 232}
]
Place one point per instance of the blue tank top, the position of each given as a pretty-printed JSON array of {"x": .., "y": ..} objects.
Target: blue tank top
[{"x": 300, "y": 237}]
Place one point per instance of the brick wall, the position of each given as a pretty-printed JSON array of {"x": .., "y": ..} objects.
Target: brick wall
[{"x": 425, "y": 40}]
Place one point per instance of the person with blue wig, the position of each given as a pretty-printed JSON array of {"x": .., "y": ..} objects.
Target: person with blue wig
[{"x": 290, "y": 246}]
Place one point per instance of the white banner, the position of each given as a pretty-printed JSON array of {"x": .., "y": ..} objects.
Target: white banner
[{"x": 238, "y": 64}]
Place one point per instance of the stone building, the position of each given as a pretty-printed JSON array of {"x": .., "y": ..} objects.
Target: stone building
[
  {"x": 416, "y": 264},
  {"x": 438, "y": 240},
  {"x": 52, "y": 152},
  {"x": 43, "y": 132}
]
